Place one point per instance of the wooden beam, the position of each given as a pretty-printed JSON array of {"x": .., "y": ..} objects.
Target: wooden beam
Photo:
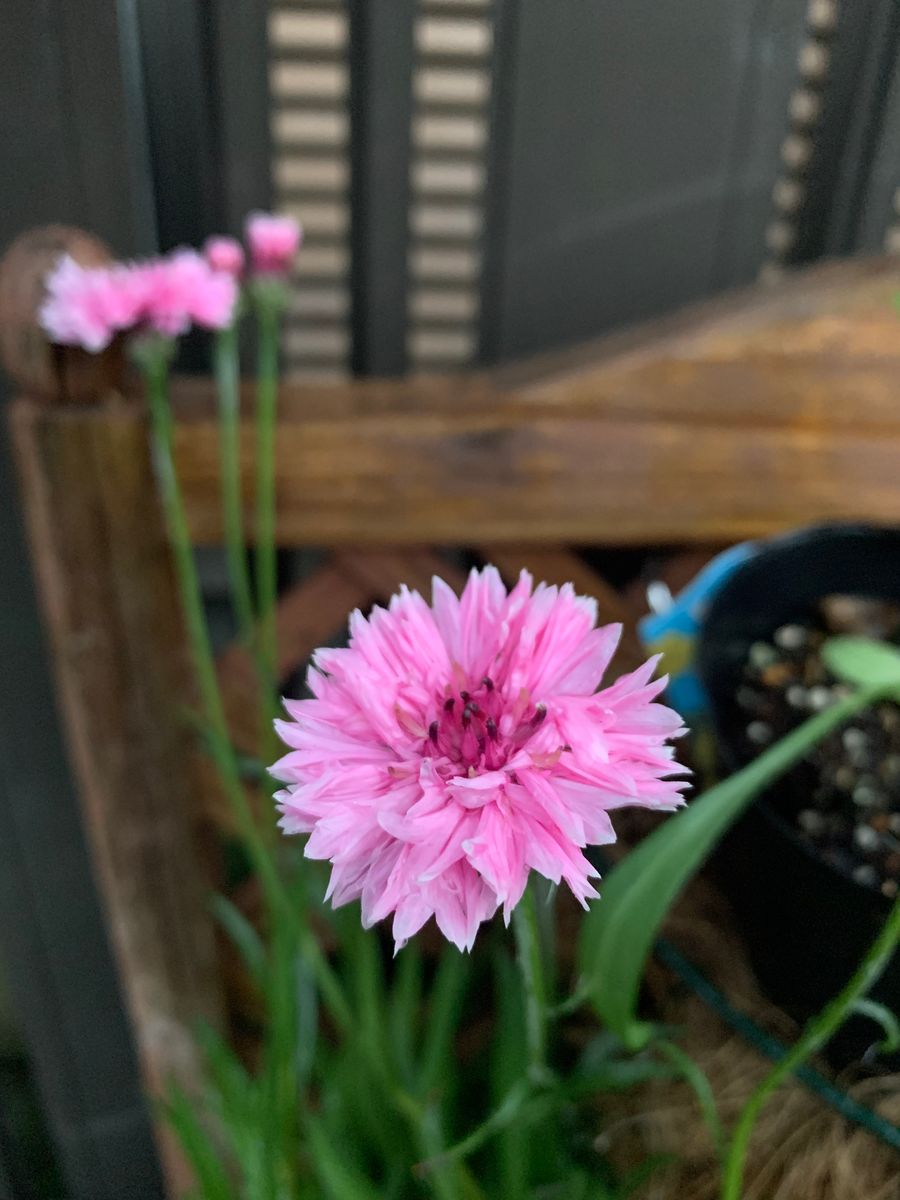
[
  {"x": 737, "y": 420},
  {"x": 109, "y": 602},
  {"x": 740, "y": 419}
]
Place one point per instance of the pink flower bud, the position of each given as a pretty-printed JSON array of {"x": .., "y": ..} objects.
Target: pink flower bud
[
  {"x": 273, "y": 242},
  {"x": 224, "y": 254}
]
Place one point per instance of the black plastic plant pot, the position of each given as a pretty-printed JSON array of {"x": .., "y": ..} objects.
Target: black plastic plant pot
[{"x": 807, "y": 921}]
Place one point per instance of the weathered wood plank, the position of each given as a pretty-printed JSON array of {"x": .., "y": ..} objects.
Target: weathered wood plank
[
  {"x": 503, "y": 476},
  {"x": 104, "y": 577},
  {"x": 747, "y": 416}
]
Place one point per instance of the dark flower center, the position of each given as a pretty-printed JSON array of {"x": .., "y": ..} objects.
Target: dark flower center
[{"x": 477, "y": 730}]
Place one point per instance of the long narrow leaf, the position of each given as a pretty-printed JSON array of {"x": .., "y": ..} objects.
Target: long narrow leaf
[
  {"x": 245, "y": 938},
  {"x": 696, "y": 1078},
  {"x": 339, "y": 1179},
  {"x": 199, "y": 1148},
  {"x": 307, "y": 1016},
  {"x": 233, "y": 1098},
  {"x": 443, "y": 1021},
  {"x": 404, "y": 1012},
  {"x": 509, "y": 1063}
]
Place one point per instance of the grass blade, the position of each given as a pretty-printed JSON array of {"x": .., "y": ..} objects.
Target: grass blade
[{"x": 443, "y": 1020}]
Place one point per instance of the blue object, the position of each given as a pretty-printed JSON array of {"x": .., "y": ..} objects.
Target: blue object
[{"x": 673, "y": 633}]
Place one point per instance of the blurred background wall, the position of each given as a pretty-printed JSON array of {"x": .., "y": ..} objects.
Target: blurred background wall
[{"x": 479, "y": 180}]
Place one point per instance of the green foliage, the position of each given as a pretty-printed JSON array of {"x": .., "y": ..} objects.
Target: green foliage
[
  {"x": 863, "y": 662},
  {"x": 618, "y": 933},
  {"x": 698, "y": 1082},
  {"x": 199, "y": 1147},
  {"x": 242, "y": 934},
  {"x": 883, "y": 1016}
]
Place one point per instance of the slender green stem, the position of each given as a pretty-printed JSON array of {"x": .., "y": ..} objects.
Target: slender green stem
[
  {"x": 227, "y": 373},
  {"x": 694, "y": 1075},
  {"x": 153, "y": 361},
  {"x": 154, "y": 364},
  {"x": 772, "y": 1049},
  {"x": 155, "y": 368},
  {"x": 819, "y": 1030},
  {"x": 531, "y": 964},
  {"x": 266, "y": 558},
  {"x": 451, "y": 1180},
  {"x": 506, "y": 1112}
]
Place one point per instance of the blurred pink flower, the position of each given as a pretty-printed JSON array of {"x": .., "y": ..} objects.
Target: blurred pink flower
[
  {"x": 452, "y": 749},
  {"x": 224, "y": 254},
  {"x": 273, "y": 241},
  {"x": 88, "y": 306},
  {"x": 182, "y": 289}
]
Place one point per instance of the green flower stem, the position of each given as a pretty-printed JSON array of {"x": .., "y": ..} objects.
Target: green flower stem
[
  {"x": 153, "y": 359},
  {"x": 449, "y": 1180},
  {"x": 531, "y": 964},
  {"x": 506, "y": 1112},
  {"x": 154, "y": 363},
  {"x": 227, "y": 373},
  {"x": 617, "y": 935},
  {"x": 268, "y": 308},
  {"x": 819, "y": 1030}
]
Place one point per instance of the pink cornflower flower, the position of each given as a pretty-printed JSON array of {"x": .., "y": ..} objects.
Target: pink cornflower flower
[
  {"x": 88, "y": 306},
  {"x": 273, "y": 242},
  {"x": 182, "y": 289},
  {"x": 452, "y": 749},
  {"x": 224, "y": 254}
]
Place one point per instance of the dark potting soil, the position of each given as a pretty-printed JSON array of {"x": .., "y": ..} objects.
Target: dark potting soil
[{"x": 844, "y": 797}]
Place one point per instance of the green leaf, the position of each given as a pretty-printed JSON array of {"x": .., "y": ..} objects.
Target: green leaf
[
  {"x": 619, "y": 930},
  {"x": 883, "y": 1016},
  {"x": 604, "y": 1066},
  {"x": 199, "y": 1148},
  {"x": 863, "y": 662},
  {"x": 340, "y": 1180},
  {"x": 698, "y": 1081},
  {"x": 509, "y": 1063},
  {"x": 447, "y": 994},
  {"x": 245, "y": 938},
  {"x": 404, "y": 1012},
  {"x": 635, "y": 1180},
  {"x": 232, "y": 1098},
  {"x": 307, "y": 1011}
]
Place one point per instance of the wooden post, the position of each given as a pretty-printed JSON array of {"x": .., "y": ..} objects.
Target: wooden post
[{"x": 109, "y": 601}]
